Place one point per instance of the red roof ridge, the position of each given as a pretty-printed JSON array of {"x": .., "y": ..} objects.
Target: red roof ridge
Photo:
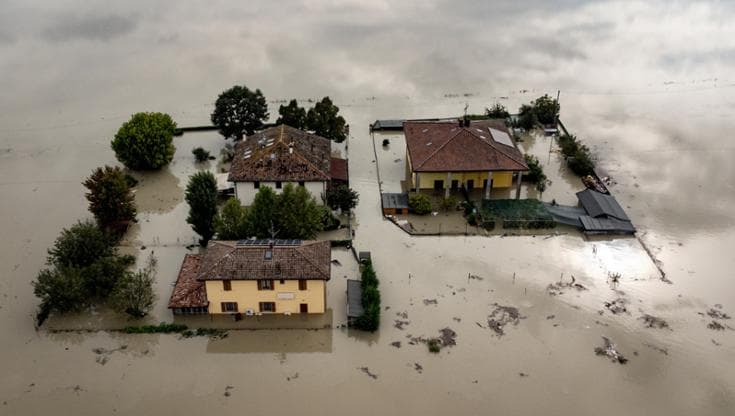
[{"x": 439, "y": 148}]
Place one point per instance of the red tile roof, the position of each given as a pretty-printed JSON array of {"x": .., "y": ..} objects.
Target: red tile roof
[
  {"x": 339, "y": 169},
  {"x": 247, "y": 260},
  {"x": 281, "y": 153},
  {"x": 441, "y": 146},
  {"x": 188, "y": 291}
]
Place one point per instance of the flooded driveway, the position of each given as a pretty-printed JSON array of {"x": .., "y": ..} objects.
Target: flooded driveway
[{"x": 644, "y": 85}]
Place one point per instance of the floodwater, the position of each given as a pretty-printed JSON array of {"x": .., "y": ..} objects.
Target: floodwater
[{"x": 645, "y": 85}]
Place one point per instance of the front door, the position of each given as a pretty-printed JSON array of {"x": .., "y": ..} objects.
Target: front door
[
  {"x": 304, "y": 308},
  {"x": 470, "y": 184},
  {"x": 438, "y": 185}
]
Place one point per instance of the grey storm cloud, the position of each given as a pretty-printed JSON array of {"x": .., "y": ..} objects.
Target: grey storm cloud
[{"x": 100, "y": 28}]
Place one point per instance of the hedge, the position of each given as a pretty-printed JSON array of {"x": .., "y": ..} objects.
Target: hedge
[{"x": 370, "y": 318}]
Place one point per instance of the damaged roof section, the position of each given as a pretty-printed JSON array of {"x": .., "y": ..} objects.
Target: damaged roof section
[
  {"x": 442, "y": 146},
  {"x": 281, "y": 153},
  {"x": 266, "y": 259}
]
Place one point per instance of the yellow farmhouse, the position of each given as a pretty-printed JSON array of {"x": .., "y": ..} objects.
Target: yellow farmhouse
[
  {"x": 449, "y": 155},
  {"x": 253, "y": 277}
]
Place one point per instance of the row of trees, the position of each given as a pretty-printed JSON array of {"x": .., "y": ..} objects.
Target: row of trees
[
  {"x": 292, "y": 214},
  {"x": 84, "y": 267},
  {"x": 544, "y": 110},
  {"x": 240, "y": 111},
  {"x": 145, "y": 142}
]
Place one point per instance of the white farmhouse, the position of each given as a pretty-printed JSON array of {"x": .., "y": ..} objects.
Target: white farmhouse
[{"x": 280, "y": 155}]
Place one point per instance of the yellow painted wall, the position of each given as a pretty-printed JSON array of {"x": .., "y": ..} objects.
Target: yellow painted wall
[
  {"x": 247, "y": 295},
  {"x": 500, "y": 179}
]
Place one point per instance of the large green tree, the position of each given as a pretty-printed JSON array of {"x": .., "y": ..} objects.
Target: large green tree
[
  {"x": 110, "y": 198},
  {"x": 201, "y": 195},
  {"x": 324, "y": 120},
  {"x": 341, "y": 197},
  {"x": 297, "y": 215},
  {"x": 81, "y": 245},
  {"x": 239, "y": 111},
  {"x": 546, "y": 109},
  {"x": 145, "y": 141},
  {"x": 292, "y": 115},
  {"x": 232, "y": 223}
]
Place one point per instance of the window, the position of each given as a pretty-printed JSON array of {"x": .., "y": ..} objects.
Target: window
[
  {"x": 283, "y": 282},
  {"x": 226, "y": 285},
  {"x": 256, "y": 185},
  {"x": 268, "y": 254},
  {"x": 278, "y": 184},
  {"x": 301, "y": 183},
  {"x": 265, "y": 284},
  {"x": 229, "y": 306},
  {"x": 267, "y": 306},
  {"x": 302, "y": 284},
  {"x": 304, "y": 308}
]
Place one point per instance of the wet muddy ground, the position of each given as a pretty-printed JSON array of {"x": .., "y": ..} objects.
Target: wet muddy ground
[{"x": 667, "y": 147}]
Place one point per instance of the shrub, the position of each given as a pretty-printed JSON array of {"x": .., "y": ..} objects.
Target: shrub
[
  {"x": 110, "y": 198},
  {"x": 577, "y": 155},
  {"x": 448, "y": 203},
  {"x": 101, "y": 277},
  {"x": 386, "y": 142},
  {"x": 60, "y": 290},
  {"x": 535, "y": 172},
  {"x": 419, "y": 203},
  {"x": 162, "y": 328},
  {"x": 145, "y": 141},
  {"x": 434, "y": 345},
  {"x": 200, "y": 154},
  {"x": 329, "y": 221},
  {"x": 133, "y": 293}
]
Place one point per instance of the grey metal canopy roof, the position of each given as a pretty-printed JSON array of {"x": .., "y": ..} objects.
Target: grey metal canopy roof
[
  {"x": 354, "y": 298},
  {"x": 399, "y": 201},
  {"x": 606, "y": 225},
  {"x": 598, "y": 205}
]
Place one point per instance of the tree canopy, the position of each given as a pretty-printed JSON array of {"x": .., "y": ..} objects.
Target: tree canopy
[
  {"x": 201, "y": 195},
  {"x": 298, "y": 215},
  {"x": 84, "y": 268},
  {"x": 324, "y": 120},
  {"x": 292, "y": 115},
  {"x": 497, "y": 111},
  {"x": 341, "y": 197},
  {"x": 239, "y": 111},
  {"x": 134, "y": 292},
  {"x": 546, "y": 109},
  {"x": 232, "y": 222},
  {"x": 145, "y": 141},
  {"x": 110, "y": 198}
]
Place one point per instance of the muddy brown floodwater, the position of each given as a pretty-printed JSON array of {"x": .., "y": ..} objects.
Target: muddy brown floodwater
[{"x": 645, "y": 85}]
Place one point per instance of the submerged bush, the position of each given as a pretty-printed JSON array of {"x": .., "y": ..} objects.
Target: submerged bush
[
  {"x": 200, "y": 154},
  {"x": 420, "y": 204},
  {"x": 370, "y": 318}
]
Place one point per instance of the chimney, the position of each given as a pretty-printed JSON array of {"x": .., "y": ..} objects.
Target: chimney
[
  {"x": 466, "y": 121},
  {"x": 461, "y": 122},
  {"x": 290, "y": 148}
]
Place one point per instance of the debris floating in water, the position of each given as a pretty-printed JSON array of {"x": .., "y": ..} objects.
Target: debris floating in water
[
  {"x": 502, "y": 316},
  {"x": 610, "y": 350},
  {"x": 367, "y": 371},
  {"x": 651, "y": 321}
]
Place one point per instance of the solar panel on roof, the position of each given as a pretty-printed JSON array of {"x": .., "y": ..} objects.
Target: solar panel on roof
[{"x": 501, "y": 137}]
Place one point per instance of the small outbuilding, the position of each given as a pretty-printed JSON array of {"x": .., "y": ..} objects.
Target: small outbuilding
[
  {"x": 354, "y": 300},
  {"x": 395, "y": 204}
]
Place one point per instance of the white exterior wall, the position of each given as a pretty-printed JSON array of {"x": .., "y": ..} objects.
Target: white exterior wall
[{"x": 245, "y": 191}]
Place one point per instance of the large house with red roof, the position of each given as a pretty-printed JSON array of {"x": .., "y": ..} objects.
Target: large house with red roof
[{"x": 449, "y": 155}]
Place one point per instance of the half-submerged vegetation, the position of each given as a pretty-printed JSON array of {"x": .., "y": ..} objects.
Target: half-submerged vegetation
[
  {"x": 370, "y": 318},
  {"x": 578, "y": 156}
]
